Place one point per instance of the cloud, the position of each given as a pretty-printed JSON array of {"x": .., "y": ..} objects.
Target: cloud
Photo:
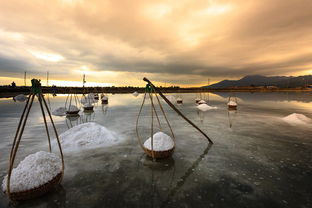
[{"x": 192, "y": 41}]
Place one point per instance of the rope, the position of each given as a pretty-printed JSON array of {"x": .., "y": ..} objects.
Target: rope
[
  {"x": 21, "y": 126},
  {"x": 45, "y": 122},
  {"x": 137, "y": 122}
]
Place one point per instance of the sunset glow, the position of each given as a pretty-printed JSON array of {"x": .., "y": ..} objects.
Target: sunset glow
[{"x": 182, "y": 43}]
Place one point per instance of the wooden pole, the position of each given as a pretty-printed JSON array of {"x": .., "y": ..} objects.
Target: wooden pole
[{"x": 175, "y": 109}]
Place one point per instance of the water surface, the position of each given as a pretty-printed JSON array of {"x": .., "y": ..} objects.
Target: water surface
[{"x": 257, "y": 159}]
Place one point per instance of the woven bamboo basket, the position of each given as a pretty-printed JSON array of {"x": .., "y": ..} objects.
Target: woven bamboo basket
[
  {"x": 38, "y": 191},
  {"x": 159, "y": 154},
  {"x": 72, "y": 113},
  {"x": 232, "y": 107},
  {"x": 89, "y": 108}
]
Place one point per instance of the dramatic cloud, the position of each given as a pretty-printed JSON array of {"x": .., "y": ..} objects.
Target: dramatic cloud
[{"x": 178, "y": 42}]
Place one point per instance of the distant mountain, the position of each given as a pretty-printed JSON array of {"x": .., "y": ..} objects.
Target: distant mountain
[{"x": 258, "y": 80}]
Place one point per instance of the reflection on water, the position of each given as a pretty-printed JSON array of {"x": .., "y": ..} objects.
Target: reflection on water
[{"x": 257, "y": 159}]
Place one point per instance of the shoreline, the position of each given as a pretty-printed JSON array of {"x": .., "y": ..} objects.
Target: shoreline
[{"x": 7, "y": 92}]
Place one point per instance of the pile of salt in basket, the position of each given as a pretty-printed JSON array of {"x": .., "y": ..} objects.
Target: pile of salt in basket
[
  {"x": 16, "y": 190},
  {"x": 152, "y": 91}
]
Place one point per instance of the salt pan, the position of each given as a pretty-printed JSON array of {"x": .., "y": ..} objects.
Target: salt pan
[
  {"x": 35, "y": 170},
  {"x": 297, "y": 119},
  {"x": 61, "y": 111},
  {"x": 20, "y": 98},
  {"x": 88, "y": 136},
  {"x": 161, "y": 142},
  {"x": 205, "y": 107},
  {"x": 135, "y": 94}
]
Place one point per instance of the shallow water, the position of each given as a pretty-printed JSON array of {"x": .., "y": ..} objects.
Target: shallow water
[{"x": 257, "y": 159}]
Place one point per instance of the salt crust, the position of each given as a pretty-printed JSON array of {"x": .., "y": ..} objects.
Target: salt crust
[
  {"x": 161, "y": 142},
  {"x": 35, "y": 170}
]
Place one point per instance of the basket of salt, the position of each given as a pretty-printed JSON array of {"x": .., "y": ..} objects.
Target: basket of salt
[
  {"x": 159, "y": 145},
  {"x": 163, "y": 146},
  {"x": 232, "y": 104},
  {"x": 40, "y": 172},
  {"x": 202, "y": 102},
  {"x": 179, "y": 100},
  {"x": 36, "y": 175},
  {"x": 104, "y": 100},
  {"x": 72, "y": 110}
]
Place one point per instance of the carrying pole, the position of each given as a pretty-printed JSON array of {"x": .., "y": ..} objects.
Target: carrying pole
[{"x": 174, "y": 108}]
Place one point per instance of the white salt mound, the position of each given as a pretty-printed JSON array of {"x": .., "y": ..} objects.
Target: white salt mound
[
  {"x": 161, "y": 142},
  {"x": 84, "y": 100},
  {"x": 104, "y": 98},
  {"x": 72, "y": 108},
  {"x": 205, "y": 107},
  {"x": 297, "y": 119},
  {"x": 20, "y": 97},
  {"x": 135, "y": 94},
  {"x": 88, "y": 136},
  {"x": 179, "y": 99},
  {"x": 35, "y": 170},
  {"x": 202, "y": 102},
  {"x": 87, "y": 105},
  {"x": 61, "y": 111},
  {"x": 232, "y": 103},
  {"x": 171, "y": 98}
]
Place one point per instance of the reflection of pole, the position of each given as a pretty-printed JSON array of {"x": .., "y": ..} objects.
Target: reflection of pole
[{"x": 188, "y": 172}]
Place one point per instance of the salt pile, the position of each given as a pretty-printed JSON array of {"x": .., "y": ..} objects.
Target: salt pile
[
  {"x": 205, "y": 107},
  {"x": 135, "y": 94},
  {"x": 84, "y": 100},
  {"x": 35, "y": 170},
  {"x": 61, "y": 111},
  {"x": 88, "y": 136},
  {"x": 232, "y": 103},
  {"x": 202, "y": 102},
  {"x": 72, "y": 108},
  {"x": 20, "y": 98},
  {"x": 104, "y": 98},
  {"x": 87, "y": 105},
  {"x": 161, "y": 142},
  {"x": 171, "y": 98},
  {"x": 297, "y": 119}
]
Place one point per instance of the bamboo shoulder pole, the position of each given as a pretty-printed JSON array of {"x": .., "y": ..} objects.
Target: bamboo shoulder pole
[{"x": 175, "y": 109}]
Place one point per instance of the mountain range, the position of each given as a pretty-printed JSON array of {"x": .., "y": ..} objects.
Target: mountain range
[{"x": 259, "y": 80}]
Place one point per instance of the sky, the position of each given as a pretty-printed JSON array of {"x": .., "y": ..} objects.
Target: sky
[{"x": 185, "y": 42}]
